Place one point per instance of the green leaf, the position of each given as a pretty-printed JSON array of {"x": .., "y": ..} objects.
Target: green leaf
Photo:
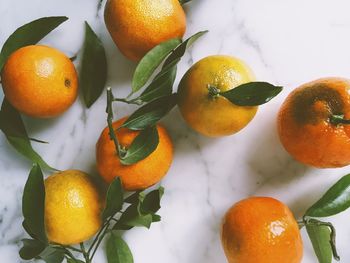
[
  {"x": 114, "y": 199},
  {"x": 320, "y": 239},
  {"x": 31, "y": 248},
  {"x": 151, "y": 203},
  {"x": 335, "y": 200},
  {"x": 29, "y": 34},
  {"x": 143, "y": 145},
  {"x": 252, "y": 93},
  {"x": 118, "y": 250},
  {"x": 135, "y": 197},
  {"x": 11, "y": 124},
  {"x": 93, "y": 74},
  {"x": 180, "y": 50},
  {"x": 156, "y": 218},
  {"x": 149, "y": 114},
  {"x": 151, "y": 61},
  {"x": 162, "y": 85},
  {"x": 131, "y": 217},
  {"x": 33, "y": 204},
  {"x": 52, "y": 255}
]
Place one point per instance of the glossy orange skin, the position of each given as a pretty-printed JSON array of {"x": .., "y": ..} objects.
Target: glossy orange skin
[
  {"x": 40, "y": 81},
  {"x": 142, "y": 174},
  {"x": 261, "y": 230},
  {"x": 304, "y": 123},
  {"x": 137, "y": 26}
]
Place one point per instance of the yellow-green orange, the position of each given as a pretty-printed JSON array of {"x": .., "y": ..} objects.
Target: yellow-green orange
[
  {"x": 137, "y": 26},
  {"x": 214, "y": 115},
  {"x": 40, "y": 81},
  {"x": 72, "y": 207}
]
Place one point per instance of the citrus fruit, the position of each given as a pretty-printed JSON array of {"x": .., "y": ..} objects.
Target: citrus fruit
[
  {"x": 305, "y": 123},
  {"x": 142, "y": 174},
  {"x": 137, "y": 26},
  {"x": 261, "y": 230},
  {"x": 39, "y": 81},
  {"x": 72, "y": 207},
  {"x": 209, "y": 114}
]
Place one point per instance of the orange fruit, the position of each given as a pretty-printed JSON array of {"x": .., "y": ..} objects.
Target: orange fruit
[
  {"x": 40, "y": 81},
  {"x": 305, "y": 127},
  {"x": 261, "y": 230},
  {"x": 213, "y": 115},
  {"x": 72, "y": 207},
  {"x": 137, "y": 26},
  {"x": 142, "y": 174}
]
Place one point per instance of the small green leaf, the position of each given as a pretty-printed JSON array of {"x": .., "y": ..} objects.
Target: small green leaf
[
  {"x": 143, "y": 145},
  {"x": 33, "y": 204},
  {"x": 151, "y": 203},
  {"x": 118, "y": 250},
  {"x": 151, "y": 113},
  {"x": 131, "y": 217},
  {"x": 252, "y": 93},
  {"x": 31, "y": 249},
  {"x": 93, "y": 74},
  {"x": 52, "y": 255},
  {"x": 151, "y": 61},
  {"x": 114, "y": 199},
  {"x": 161, "y": 86},
  {"x": 135, "y": 197},
  {"x": 29, "y": 34},
  {"x": 335, "y": 200},
  {"x": 156, "y": 218},
  {"x": 11, "y": 124},
  {"x": 320, "y": 239},
  {"x": 180, "y": 50}
]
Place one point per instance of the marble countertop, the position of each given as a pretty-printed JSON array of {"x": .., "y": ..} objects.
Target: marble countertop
[{"x": 285, "y": 42}]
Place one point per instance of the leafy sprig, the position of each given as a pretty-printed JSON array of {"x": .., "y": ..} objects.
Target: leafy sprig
[
  {"x": 121, "y": 212},
  {"x": 323, "y": 234}
]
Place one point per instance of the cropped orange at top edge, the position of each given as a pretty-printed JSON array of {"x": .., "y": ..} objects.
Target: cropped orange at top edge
[
  {"x": 137, "y": 26},
  {"x": 305, "y": 127},
  {"x": 142, "y": 174}
]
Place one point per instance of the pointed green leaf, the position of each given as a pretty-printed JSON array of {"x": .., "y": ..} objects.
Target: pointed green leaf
[
  {"x": 12, "y": 126},
  {"x": 149, "y": 114},
  {"x": 114, "y": 199},
  {"x": 131, "y": 217},
  {"x": 31, "y": 248},
  {"x": 143, "y": 145},
  {"x": 252, "y": 93},
  {"x": 29, "y": 34},
  {"x": 33, "y": 204},
  {"x": 118, "y": 250},
  {"x": 151, "y": 203},
  {"x": 93, "y": 74},
  {"x": 156, "y": 218},
  {"x": 151, "y": 61},
  {"x": 180, "y": 50},
  {"x": 134, "y": 198},
  {"x": 335, "y": 200},
  {"x": 320, "y": 239},
  {"x": 52, "y": 255}
]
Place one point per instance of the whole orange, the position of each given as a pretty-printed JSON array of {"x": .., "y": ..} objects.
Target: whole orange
[
  {"x": 305, "y": 126},
  {"x": 137, "y": 26},
  {"x": 261, "y": 230},
  {"x": 40, "y": 81},
  {"x": 142, "y": 174},
  {"x": 72, "y": 207},
  {"x": 214, "y": 115}
]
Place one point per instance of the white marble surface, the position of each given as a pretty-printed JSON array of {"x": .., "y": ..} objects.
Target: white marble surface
[{"x": 285, "y": 42}]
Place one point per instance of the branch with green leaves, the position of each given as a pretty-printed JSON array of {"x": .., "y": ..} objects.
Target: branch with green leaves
[
  {"x": 122, "y": 211},
  {"x": 323, "y": 234}
]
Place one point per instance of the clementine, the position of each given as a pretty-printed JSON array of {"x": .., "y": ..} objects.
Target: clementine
[
  {"x": 142, "y": 174},
  {"x": 308, "y": 125},
  {"x": 261, "y": 230}
]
